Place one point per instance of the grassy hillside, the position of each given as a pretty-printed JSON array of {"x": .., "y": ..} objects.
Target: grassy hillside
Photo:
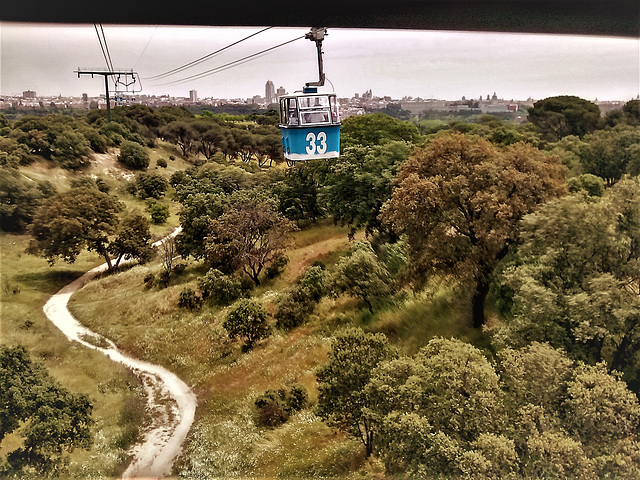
[
  {"x": 226, "y": 439},
  {"x": 117, "y": 396},
  {"x": 27, "y": 282}
]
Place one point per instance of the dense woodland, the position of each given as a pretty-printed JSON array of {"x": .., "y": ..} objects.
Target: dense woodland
[{"x": 526, "y": 236}]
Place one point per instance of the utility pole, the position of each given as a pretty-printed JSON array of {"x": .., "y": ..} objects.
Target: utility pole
[{"x": 106, "y": 74}]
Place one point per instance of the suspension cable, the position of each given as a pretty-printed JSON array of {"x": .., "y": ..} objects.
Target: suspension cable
[
  {"x": 105, "y": 50},
  {"x": 202, "y": 59},
  {"x": 226, "y": 66}
]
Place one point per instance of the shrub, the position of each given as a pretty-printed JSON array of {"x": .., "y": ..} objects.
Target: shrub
[
  {"x": 159, "y": 213},
  {"x": 162, "y": 163},
  {"x": 294, "y": 307},
  {"x": 247, "y": 320},
  {"x": 179, "y": 268},
  {"x": 314, "y": 283},
  {"x": 276, "y": 267},
  {"x": 133, "y": 155},
  {"x": 224, "y": 289},
  {"x": 275, "y": 407},
  {"x": 189, "y": 299},
  {"x": 149, "y": 280},
  {"x": 271, "y": 408},
  {"x": 151, "y": 185}
]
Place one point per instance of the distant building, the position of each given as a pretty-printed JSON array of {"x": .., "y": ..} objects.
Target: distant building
[
  {"x": 270, "y": 92},
  {"x": 193, "y": 95},
  {"x": 29, "y": 94},
  {"x": 281, "y": 91}
]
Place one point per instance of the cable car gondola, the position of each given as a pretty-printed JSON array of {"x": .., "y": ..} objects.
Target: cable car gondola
[{"x": 310, "y": 121}]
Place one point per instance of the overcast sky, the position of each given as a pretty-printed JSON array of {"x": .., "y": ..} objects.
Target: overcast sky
[{"x": 428, "y": 64}]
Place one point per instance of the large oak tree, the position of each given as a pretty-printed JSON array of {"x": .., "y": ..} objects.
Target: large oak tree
[
  {"x": 458, "y": 201},
  {"x": 87, "y": 219}
]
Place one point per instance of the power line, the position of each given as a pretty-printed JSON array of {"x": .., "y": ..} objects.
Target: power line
[
  {"x": 226, "y": 66},
  {"x": 145, "y": 47},
  {"x": 104, "y": 48},
  {"x": 202, "y": 59},
  {"x": 104, "y": 37}
]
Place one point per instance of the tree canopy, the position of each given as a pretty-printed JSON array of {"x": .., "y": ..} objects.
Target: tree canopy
[
  {"x": 458, "y": 201},
  {"x": 50, "y": 420},
  {"x": 574, "y": 279},
  {"x": 86, "y": 218},
  {"x": 341, "y": 397},
  {"x": 557, "y": 117}
]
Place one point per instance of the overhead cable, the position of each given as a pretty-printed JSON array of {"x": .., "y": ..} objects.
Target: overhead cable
[
  {"x": 226, "y": 66},
  {"x": 145, "y": 47},
  {"x": 202, "y": 59},
  {"x": 104, "y": 48}
]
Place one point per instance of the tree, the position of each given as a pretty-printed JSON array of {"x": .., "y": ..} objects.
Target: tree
[
  {"x": 294, "y": 306},
  {"x": 631, "y": 111},
  {"x": 63, "y": 139},
  {"x": 150, "y": 185},
  {"x": 458, "y": 200},
  {"x": 133, "y": 155},
  {"x": 132, "y": 240},
  {"x": 73, "y": 220},
  {"x": 224, "y": 289},
  {"x": 557, "y": 117},
  {"x": 297, "y": 191},
  {"x": 247, "y": 320},
  {"x": 248, "y": 236},
  {"x": 20, "y": 197},
  {"x": 600, "y": 408},
  {"x": 376, "y": 129},
  {"x": 168, "y": 255},
  {"x": 159, "y": 212},
  {"x": 342, "y": 401},
  {"x": 611, "y": 153},
  {"x": 361, "y": 274},
  {"x": 574, "y": 279},
  {"x": 431, "y": 407},
  {"x": 204, "y": 196},
  {"x": 50, "y": 420},
  {"x": 358, "y": 183},
  {"x": 181, "y": 132}
]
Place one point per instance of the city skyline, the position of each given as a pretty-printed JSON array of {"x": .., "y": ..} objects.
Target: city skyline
[{"x": 427, "y": 64}]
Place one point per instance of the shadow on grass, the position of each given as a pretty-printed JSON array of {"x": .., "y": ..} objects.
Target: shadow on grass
[
  {"x": 445, "y": 314},
  {"x": 49, "y": 281}
]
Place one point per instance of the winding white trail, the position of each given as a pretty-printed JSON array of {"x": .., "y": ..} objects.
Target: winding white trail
[{"x": 171, "y": 401}]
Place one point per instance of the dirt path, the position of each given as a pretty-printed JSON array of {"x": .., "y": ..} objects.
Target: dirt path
[{"x": 171, "y": 401}]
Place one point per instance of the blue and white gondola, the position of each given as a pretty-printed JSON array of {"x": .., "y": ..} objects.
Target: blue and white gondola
[{"x": 310, "y": 125}]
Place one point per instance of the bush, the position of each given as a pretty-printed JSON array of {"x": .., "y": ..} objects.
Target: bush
[
  {"x": 133, "y": 155},
  {"x": 275, "y": 407},
  {"x": 294, "y": 307},
  {"x": 189, "y": 299},
  {"x": 179, "y": 268},
  {"x": 222, "y": 288},
  {"x": 150, "y": 185},
  {"x": 149, "y": 280},
  {"x": 271, "y": 408},
  {"x": 161, "y": 163},
  {"x": 314, "y": 283},
  {"x": 247, "y": 320},
  {"x": 276, "y": 267},
  {"x": 159, "y": 213}
]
